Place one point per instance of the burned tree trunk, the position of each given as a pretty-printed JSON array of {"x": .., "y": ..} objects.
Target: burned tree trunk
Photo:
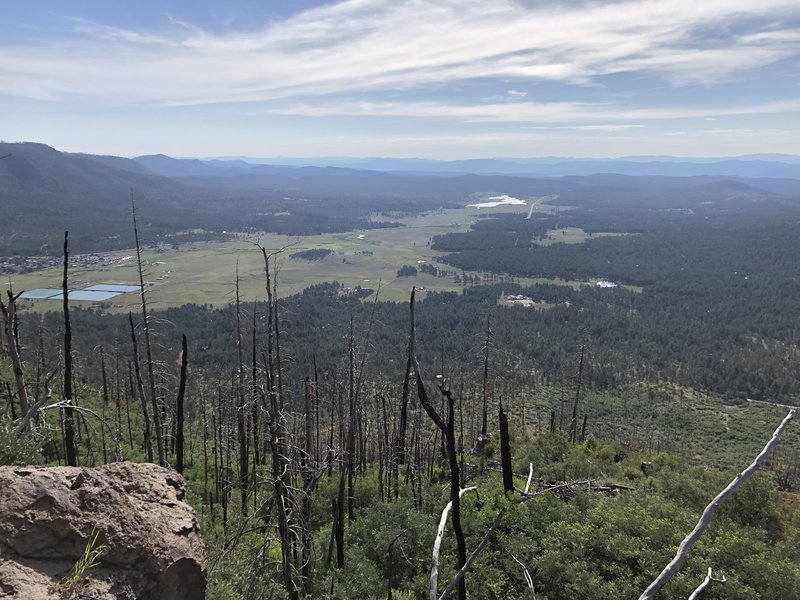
[
  {"x": 278, "y": 438},
  {"x": 448, "y": 432},
  {"x": 69, "y": 428},
  {"x": 148, "y": 442},
  {"x": 308, "y": 479},
  {"x": 576, "y": 404},
  {"x": 485, "y": 390},
  {"x": 254, "y": 422},
  {"x": 9, "y": 319},
  {"x": 400, "y": 442},
  {"x": 505, "y": 452},
  {"x": 351, "y": 432},
  {"x": 316, "y": 411},
  {"x": 162, "y": 459},
  {"x": 458, "y": 580},
  {"x": 282, "y": 497},
  {"x": 179, "y": 406},
  {"x": 106, "y": 400},
  {"x": 241, "y": 412}
]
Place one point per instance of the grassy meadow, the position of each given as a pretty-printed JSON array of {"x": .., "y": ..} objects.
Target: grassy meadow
[{"x": 205, "y": 273}]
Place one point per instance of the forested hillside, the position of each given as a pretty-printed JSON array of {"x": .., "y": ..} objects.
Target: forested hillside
[
  {"x": 275, "y": 424},
  {"x": 43, "y": 192}
]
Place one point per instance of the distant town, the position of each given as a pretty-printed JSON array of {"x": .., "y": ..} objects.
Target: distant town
[{"x": 10, "y": 265}]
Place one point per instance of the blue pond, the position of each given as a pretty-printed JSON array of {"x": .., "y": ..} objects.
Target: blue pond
[{"x": 95, "y": 293}]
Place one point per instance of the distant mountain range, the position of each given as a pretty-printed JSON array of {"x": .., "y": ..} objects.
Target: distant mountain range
[
  {"x": 755, "y": 165},
  {"x": 44, "y": 191},
  {"x": 782, "y": 166}
]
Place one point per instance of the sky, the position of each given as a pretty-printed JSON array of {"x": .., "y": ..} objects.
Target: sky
[{"x": 443, "y": 79}]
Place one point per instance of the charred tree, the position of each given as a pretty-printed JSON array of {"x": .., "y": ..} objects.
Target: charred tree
[
  {"x": 576, "y": 405},
  {"x": 505, "y": 452},
  {"x": 9, "y": 319},
  {"x": 254, "y": 424},
  {"x": 316, "y": 410},
  {"x": 241, "y": 412},
  {"x": 162, "y": 459},
  {"x": 179, "y": 406},
  {"x": 485, "y": 387},
  {"x": 447, "y": 427},
  {"x": 139, "y": 391},
  {"x": 106, "y": 401},
  {"x": 282, "y": 496},
  {"x": 400, "y": 443},
  {"x": 351, "y": 433},
  {"x": 69, "y": 427},
  {"x": 308, "y": 479},
  {"x": 278, "y": 436}
]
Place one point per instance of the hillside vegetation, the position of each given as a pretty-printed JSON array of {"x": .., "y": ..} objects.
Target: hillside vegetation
[{"x": 322, "y": 433}]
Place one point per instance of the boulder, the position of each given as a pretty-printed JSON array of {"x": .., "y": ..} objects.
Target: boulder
[{"x": 153, "y": 547}]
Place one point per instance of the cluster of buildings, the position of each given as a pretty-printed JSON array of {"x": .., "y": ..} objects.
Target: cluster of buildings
[
  {"x": 28, "y": 264},
  {"x": 519, "y": 299}
]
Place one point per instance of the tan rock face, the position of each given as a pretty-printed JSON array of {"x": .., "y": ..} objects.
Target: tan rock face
[{"x": 154, "y": 549}]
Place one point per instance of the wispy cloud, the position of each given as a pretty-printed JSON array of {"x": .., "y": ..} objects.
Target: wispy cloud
[
  {"x": 610, "y": 128},
  {"x": 531, "y": 112},
  {"x": 362, "y": 46},
  {"x": 117, "y": 35}
]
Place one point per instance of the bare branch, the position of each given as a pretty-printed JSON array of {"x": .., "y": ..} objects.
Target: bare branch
[
  {"x": 438, "y": 542},
  {"x": 391, "y": 564},
  {"x": 528, "y": 483},
  {"x": 9, "y": 312},
  {"x": 34, "y": 409},
  {"x": 709, "y": 578},
  {"x": 468, "y": 565},
  {"x": 528, "y": 578},
  {"x": 683, "y": 550}
]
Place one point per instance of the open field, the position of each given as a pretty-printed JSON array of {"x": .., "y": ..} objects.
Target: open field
[
  {"x": 572, "y": 235},
  {"x": 205, "y": 273}
]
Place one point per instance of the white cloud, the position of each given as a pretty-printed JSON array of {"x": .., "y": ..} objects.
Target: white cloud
[
  {"x": 564, "y": 142},
  {"x": 609, "y": 128},
  {"x": 530, "y": 112},
  {"x": 359, "y": 46}
]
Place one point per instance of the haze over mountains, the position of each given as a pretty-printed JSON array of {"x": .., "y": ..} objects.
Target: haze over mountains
[{"x": 755, "y": 165}]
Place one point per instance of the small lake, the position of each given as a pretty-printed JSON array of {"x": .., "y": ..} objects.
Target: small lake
[
  {"x": 95, "y": 293},
  {"x": 495, "y": 201}
]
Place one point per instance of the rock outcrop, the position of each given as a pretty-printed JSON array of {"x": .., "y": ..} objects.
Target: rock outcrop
[{"x": 47, "y": 515}]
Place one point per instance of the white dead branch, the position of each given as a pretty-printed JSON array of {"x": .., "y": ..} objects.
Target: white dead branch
[
  {"x": 686, "y": 545},
  {"x": 34, "y": 410},
  {"x": 438, "y": 542},
  {"x": 528, "y": 483},
  {"x": 468, "y": 565},
  {"x": 709, "y": 578},
  {"x": 528, "y": 578}
]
